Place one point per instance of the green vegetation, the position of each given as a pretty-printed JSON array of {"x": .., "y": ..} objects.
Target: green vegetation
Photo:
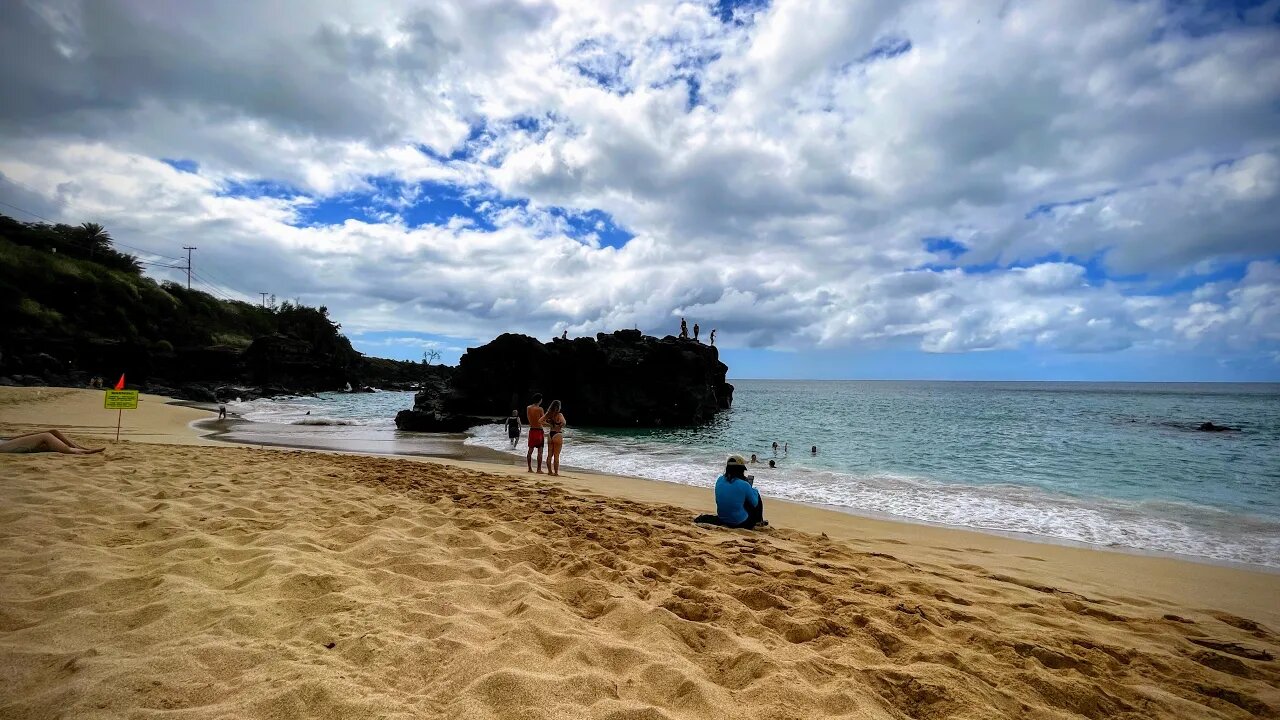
[{"x": 65, "y": 288}]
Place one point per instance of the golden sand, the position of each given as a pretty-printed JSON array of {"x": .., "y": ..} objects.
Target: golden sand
[{"x": 233, "y": 582}]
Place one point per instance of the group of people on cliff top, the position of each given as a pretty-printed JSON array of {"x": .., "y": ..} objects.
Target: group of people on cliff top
[
  {"x": 546, "y": 427},
  {"x": 684, "y": 332}
]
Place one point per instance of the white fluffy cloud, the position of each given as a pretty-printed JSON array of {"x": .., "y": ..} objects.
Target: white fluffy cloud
[{"x": 1108, "y": 175}]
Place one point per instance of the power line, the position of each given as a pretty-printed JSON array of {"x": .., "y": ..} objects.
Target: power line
[
  {"x": 163, "y": 265},
  {"x": 15, "y": 207},
  {"x": 189, "y": 249},
  {"x": 54, "y": 222},
  {"x": 212, "y": 288}
]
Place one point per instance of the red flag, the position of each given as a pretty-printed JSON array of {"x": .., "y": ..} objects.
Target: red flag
[{"x": 120, "y": 382}]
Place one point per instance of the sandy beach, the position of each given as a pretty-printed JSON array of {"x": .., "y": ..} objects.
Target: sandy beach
[{"x": 180, "y": 577}]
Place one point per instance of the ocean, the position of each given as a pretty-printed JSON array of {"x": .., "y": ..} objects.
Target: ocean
[{"x": 1110, "y": 464}]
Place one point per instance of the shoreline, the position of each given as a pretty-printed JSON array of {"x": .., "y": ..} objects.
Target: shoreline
[{"x": 450, "y": 448}]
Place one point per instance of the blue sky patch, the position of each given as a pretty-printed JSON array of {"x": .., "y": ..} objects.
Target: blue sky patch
[
  {"x": 584, "y": 224},
  {"x": 886, "y": 48},
  {"x": 1231, "y": 272},
  {"x": 944, "y": 244},
  {"x": 409, "y": 345},
  {"x": 186, "y": 166},
  {"x": 738, "y": 12},
  {"x": 258, "y": 189}
]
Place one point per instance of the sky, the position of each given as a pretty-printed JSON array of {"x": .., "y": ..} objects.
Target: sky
[{"x": 1016, "y": 189}]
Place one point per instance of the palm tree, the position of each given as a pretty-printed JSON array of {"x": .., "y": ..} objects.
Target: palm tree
[{"x": 94, "y": 237}]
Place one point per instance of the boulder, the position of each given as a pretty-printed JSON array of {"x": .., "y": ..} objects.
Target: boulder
[
  {"x": 198, "y": 393},
  {"x": 620, "y": 379},
  {"x": 1210, "y": 427},
  {"x": 416, "y": 420}
]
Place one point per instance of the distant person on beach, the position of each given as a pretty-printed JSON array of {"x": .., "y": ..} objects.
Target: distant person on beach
[
  {"x": 784, "y": 447},
  {"x": 738, "y": 503},
  {"x": 513, "y": 427},
  {"x": 684, "y": 330},
  {"x": 554, "y": 420},
  {"x": 775, "y": 447},
  {"x": 695, "y": 332},
  {"x": 772, "y": 464},
  {"x": 534, "y": 414},
  {"x": 222, "y": 412},
  {"x": 753, "y": 459},
  {"x": 712, "y": 338},
  {"x": 813, "y": 450},
  {"x": 45, "y": 441}
]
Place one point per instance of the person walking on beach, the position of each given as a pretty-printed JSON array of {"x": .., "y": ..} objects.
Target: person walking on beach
[
  {"x": 554, "y": 420},
  {"x": 695, "y": 332},
  {"x": 222, "y": 412},
  {"x": 513, "y": 427},
  {"x": 534, "y": 414}
]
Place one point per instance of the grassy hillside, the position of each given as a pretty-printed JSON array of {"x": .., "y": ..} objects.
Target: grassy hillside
[{"x": 72, "y": 302}]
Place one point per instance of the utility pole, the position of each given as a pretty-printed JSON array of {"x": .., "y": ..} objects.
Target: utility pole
[
  {"x": 188, "y": 249},
  {"x": 264, "y": 298}
]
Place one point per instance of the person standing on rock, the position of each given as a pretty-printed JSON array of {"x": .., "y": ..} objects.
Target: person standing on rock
[
  {"x": 684, "y": 330},
  {"x": 713, "y": 336},
  {"x": 555, "y": 437},
  {"x": 695, "y": 332},
  {"x": 535, "y": 414}
]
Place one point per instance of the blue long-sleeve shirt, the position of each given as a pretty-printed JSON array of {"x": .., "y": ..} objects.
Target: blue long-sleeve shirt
[{"x": 732, "y": 498}]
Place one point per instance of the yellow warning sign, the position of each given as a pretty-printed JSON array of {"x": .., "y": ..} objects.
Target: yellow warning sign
[{"x": 121, "y": 400}]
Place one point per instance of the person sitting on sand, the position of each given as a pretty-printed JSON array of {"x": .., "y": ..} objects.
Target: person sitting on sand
[
  {"x": 738, "y": 503},
  {"x": 45, "y": 441}
]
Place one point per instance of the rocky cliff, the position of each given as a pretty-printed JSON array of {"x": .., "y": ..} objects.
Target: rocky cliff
[{"x": 622, "y": 379}]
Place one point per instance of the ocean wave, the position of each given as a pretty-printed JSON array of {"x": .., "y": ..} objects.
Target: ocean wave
[
  {"x": 1159, "y": 526},
  {"x": 323, "y": 422}
]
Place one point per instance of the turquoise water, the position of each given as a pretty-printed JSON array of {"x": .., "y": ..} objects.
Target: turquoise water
[{"x": 1109, "y": 463}]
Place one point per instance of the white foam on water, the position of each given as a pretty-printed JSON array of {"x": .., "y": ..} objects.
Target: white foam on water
[
  {"x": 1151, "y": 526},
  {"x": 326, "y": 410}
]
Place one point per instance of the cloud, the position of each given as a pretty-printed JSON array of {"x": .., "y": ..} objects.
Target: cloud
[{"x": 773, "y": 173}]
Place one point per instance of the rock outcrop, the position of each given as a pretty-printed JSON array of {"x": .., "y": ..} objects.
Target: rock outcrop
[
  {"x": 621, "y": 379},
  {"x": 1210, "y": 427}
]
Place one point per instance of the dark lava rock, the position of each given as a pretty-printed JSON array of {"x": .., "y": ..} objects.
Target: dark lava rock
[
  {"x": 417, "y": 420},
  {"x": 1210, "y": 427},
  {"x": 621, "y": 379},
  {"x": 198, "y": 393}
]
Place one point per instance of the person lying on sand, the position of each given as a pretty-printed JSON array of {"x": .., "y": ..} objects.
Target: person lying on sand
[
  {"x": 738, "y": 503},
  {"x": 45, "y": 441}
]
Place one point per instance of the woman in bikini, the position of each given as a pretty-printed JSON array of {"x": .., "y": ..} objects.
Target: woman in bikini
[
  {"x": 47, "y": 441},
  {"x": 554, "y": 420}
]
